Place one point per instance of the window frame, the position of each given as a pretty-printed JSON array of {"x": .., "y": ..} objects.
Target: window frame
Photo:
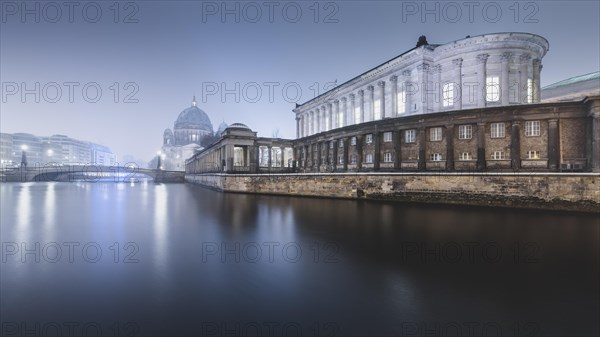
[
  {"x": 497, "y": 130},
  {"x": 410, "y": 136},
  {"x": 369, "y": 138},
  {"x": 434, "y": 135},
  {"x": 464, "y": 131},
  {"x": 387, "y": 137},
  {"x": 533, "y": 128},
  {"x": 492, "y": 87},
  {"x": 388, "y": 157},
  {"x": 435, "y": 157}
]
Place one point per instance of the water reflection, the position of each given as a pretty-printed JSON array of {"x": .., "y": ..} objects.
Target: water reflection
[{"x": 368, "y": 267}]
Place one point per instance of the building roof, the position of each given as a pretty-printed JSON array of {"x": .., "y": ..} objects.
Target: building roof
[
  {"x": 194, "y": 118},
  {"x": 573, "y": 80}
]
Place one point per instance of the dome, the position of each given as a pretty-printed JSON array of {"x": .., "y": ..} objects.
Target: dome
[
  {"x": 222, "y": 128},
  {"x": 194, "y": 118},
  {"x": 238, "y": 126}
]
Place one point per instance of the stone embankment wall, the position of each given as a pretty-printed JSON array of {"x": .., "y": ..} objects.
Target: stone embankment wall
[{"x": 565, "y": 191}]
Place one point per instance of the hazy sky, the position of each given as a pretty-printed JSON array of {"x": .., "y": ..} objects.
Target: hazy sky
[{"x": 161, "y": 53}]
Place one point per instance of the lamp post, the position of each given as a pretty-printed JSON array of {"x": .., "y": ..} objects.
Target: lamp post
[
  {"x": 160, "y": 156},
  {"x": 23, "y": 155}
]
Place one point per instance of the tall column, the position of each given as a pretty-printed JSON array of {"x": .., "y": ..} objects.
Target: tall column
[
  {"x": 361, "y": 94},
  {"x": 537, "y": 68},
  {"x": 595, "y": 135},
  {"x": 515, "y": 145},
  {"x": 422, "y": 153},
  {"x": 336, "y": 114},
  {"x": 352, "y": 108},
  {"x": 524, "y": 61},
  {"x": 437, "y": 86},
  {"x": 381, "y": 85},
  {"x": 359, "y": 152},
  {"x": 297, "y": 127},
  {"x": 311, "y": 121},
  {"x": 306, "y": 125},
  {"x": 457, "y": 63},
  {"x": 344, "y": 119},
  {"x": 330, "y": 115},
  {"x": 553, "y": 144},
  {"x": 324, "y": 118},
  {"x": 409, "y": 92},
  {"x": 480, "y": 146},
  {"x": 371, "y": 90},
  {"x": 334, "y": 154},
  {"x": 504, "y": 91},
  {"x": 318, "y": 120},
  {"x": 345, "y": 153},
  {"x": 376, "y": 150},
  {"x": 423, "y": 73},
  {"x": 482, "y": 75},
  {"x": 450, "y": 147},
  {"x": 397, "y": 139},
  {"x": 394, "y": 82},
  {"x": 301, "y": 125}
]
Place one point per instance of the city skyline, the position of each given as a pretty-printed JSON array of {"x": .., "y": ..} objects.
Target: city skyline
[{"x": 162, "y": 68}]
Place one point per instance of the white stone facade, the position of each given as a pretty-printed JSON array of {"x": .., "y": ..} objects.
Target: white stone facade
[{"x": 475, "y": 72}]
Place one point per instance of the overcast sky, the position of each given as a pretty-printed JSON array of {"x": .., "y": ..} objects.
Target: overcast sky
[{"x": 161, "y": 53}]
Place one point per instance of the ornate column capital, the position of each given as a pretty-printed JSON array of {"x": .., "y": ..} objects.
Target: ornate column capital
[
  {"x": 482, "y": 58},
  {"x": 506, "y": 57},
  {"x": 406, "y": 73},
  {"x": 457, "y": 62},
  {"x": 394, "y": 78},
  {"x": 381, "y": 83},
  {"x": 361, "y": 92},
  {"x": 437, "y": 68},
  {"x": 351, "y": 97},
  {"x": 344, "y": 99},
  {"x": 370, "y": 88},
  {"x": 423, "y": 67},
  {"x": 524, "y": 58},
  {"x": 336, "y": 102}
]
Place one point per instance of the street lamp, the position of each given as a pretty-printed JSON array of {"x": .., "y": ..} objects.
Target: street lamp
[
  {"x": 158, "y": 164},
  {"x": 23, "y": 155}
]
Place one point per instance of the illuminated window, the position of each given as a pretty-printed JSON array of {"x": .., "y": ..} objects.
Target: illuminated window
[
  {"x": 369, "y": 139},
  {"x": 532, "y": 128},
  {"x": 435, "y": 157},
  {"x": 448, "y": 95},
  {"x": 401, "y": 102},
  {"x": 465, "y": 156},
  {"x": 465, "y": 131},
  {"x": 387, "y": 157},
  {"x": 529, "y": 98},
  {"x": 410, "y": 136},
  {"x": 533, "y": 154},
  {"x": 387, "y": 137},
  {"x": 341, "y": 144},
  {"x": 435, "y": 134},
  {"x": 377, "y": 112},
  {"x": 492, "y": 89},
  {"x": 369, "y": 158},
  {"x": 356, "y": 115},
  {"x": 353, "y": 141},
  {"x": 331, "y": 145},
  {"x": 353, "y": 159},
  {"x": 498, "y": 130},
  {"x": 340, "y": 159}
]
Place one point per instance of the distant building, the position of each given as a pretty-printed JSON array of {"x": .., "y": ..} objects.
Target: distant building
[
  {"x": 52, "y": 150},
  {"x": 191, "y": 129}
]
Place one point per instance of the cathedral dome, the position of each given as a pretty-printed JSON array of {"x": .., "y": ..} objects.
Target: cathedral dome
[
  {"x": 222, "y": 128},
  {"x": 194, "y": 118},
  {"x": 168, "y": 133}
]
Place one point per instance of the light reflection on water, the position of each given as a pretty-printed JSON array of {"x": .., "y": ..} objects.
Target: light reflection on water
[{"x": 368, "y": 287}]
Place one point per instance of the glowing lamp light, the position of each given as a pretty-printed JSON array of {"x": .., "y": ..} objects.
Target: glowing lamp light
[{"x": 24, "y": 147}]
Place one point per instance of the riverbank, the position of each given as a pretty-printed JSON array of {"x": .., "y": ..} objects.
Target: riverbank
[{"x": 552, "y": 191}]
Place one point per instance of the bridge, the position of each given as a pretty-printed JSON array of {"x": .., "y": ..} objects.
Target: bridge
[{"x": 90, "y": 173}]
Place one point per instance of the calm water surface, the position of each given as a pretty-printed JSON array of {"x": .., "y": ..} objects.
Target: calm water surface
[{"x": 159, "y": 259}]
